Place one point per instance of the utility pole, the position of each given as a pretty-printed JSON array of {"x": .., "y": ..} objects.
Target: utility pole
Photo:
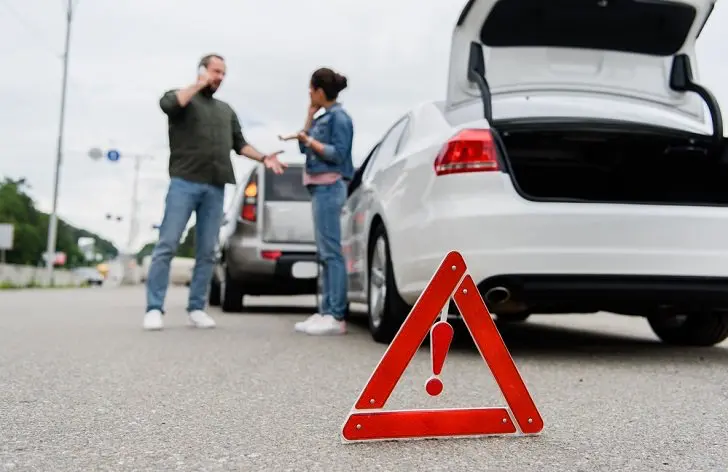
[
  {"x": 134, "y": 220},
  {"x": 53, "y": 220}
]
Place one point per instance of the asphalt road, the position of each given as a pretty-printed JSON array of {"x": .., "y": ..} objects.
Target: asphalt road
[{"x": 82, "y": 387}]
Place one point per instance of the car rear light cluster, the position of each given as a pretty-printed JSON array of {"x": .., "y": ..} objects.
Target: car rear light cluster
[
  {"x": 249, "y": 210},
  {"x": 471, "y": 150},
  {"x": 271, "y": 255}
]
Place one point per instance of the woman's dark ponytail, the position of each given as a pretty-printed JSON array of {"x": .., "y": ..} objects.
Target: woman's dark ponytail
[
  {"x": 340, "y": 81},
  {"x": 329, "y": 81}
]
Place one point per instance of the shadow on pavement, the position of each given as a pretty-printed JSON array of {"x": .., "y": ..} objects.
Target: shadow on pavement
[
  {"x": 276, "y": 310},
  {"x": 561, "y": 343},
  {"x": 547, "y": 341},
  {"x": 544, "y": 341}
]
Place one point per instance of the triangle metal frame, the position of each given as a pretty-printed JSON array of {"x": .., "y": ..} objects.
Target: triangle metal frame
[{"x": 367, "y": 420}]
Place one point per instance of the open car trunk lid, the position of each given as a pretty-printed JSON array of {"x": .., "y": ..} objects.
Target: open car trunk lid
[
  {"x": 287, "y": 216},
  {"x": 607, "y": 47}
]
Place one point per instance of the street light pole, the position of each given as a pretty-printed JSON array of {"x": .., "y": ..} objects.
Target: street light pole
[
  {"x": 134, "y": 220},
  {"x": 128, "y": 275},
  {"x": 53, "y": 220}
]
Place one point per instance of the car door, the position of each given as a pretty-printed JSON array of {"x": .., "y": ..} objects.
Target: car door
[
  {"x": 227, "y": 224},
  {"x": 374, "y": 182},
  {"x": 351, "y": 227}
]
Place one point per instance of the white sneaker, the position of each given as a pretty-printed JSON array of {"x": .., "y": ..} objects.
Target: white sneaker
[
  {"x": 301, "y": 325},
  {"x": 153, "y": 320},
  {"x": 200, "y": 319},
  {"x": 326, "y": 325}
]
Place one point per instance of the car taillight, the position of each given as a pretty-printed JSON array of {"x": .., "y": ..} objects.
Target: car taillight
[
  {"x": 249, "y": 211},
  {"x": 471, "y": 150},
  {"x": 271, "y": 255}
]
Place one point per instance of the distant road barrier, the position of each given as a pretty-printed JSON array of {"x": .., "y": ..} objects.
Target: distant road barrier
[{"x": 29, "y": 276}]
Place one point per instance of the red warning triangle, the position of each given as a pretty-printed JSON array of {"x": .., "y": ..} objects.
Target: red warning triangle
[{"x": 368, "y": 422}]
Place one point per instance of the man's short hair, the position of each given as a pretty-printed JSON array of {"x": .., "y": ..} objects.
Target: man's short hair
[{"x": 205, "y": 61}]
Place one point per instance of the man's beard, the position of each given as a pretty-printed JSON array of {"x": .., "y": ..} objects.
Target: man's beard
[{"x": 210, "y": 90}]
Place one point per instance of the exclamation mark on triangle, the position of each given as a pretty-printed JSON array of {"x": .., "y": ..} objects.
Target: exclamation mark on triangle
[{"x": 441, "y": 335}]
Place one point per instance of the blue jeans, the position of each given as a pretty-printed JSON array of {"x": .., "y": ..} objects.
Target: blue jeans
[
  {"x": 328, "y": 201},
  {"x": 183, "y": 198}
]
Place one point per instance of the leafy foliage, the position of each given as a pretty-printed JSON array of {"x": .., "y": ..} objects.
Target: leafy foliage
[
  {"x": 186, "y": 249},
  {"x": 31, "y": 230}
]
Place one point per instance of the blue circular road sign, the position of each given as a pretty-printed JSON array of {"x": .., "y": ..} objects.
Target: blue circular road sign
[{"x": 113, "y": 155}]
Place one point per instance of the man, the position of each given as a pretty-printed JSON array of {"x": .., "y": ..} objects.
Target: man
[{"x": 202, "y": 132}]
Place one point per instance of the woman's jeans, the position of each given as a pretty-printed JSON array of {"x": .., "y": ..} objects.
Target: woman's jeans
[{"x": 327, "y": 202}]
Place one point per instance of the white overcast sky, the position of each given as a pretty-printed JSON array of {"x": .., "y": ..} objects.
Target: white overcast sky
[{"x": 124, "y": 54}]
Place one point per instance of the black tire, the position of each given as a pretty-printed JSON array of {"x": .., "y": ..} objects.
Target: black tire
[
  {"x": 699, "y": 329},
  {"x": 214, "y": 296},
  {"x": 395, "y": 310},
  {"x": 231, "y": 295}
]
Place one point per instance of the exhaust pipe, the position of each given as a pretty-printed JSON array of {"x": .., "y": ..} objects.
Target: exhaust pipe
[{"x": 497, "y": 295}]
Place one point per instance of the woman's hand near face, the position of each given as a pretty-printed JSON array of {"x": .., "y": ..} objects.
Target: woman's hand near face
[{"x": 312, "y": 109}]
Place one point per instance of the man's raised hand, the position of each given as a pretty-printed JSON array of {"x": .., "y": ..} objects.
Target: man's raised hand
[{"x": 271, "y": 162}]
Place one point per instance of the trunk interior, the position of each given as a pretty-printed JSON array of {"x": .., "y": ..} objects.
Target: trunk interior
[{"x": 614, "y": 163}]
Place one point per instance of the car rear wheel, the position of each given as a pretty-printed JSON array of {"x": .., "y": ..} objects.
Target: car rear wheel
[
  {"x": 696, "y": 329},
  {"x": 386, "y": 309},
  {"x": 214, "y": 296},
  {"x": 231, "y": 295}
]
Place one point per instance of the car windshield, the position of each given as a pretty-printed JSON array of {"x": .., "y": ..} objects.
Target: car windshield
[{"x": 286, "y": 187}]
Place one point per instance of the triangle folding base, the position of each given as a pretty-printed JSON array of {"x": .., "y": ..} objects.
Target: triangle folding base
[{"x": 367, "y": 420}]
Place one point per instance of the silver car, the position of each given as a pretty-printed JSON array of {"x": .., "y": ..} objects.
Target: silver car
[
  {"x": 89, "y": 275},
  {"x": 266, "y": 244}
]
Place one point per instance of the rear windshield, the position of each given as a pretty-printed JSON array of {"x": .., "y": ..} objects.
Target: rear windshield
[
  {"x": 286, "y": 187},
  {"x": 638, "y": 26}
]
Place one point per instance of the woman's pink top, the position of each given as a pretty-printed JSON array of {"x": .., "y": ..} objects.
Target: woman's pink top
[{"x": 320, "y": 179}]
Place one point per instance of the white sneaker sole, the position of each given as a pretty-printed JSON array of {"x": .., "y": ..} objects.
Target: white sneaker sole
[
  {"x": 326, "y": 333},
  {"x": 192, "y": 324},
  {"x": 301, "y": 326}
]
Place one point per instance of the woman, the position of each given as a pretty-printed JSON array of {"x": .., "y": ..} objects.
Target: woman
[{"x": 326, "y": 141}]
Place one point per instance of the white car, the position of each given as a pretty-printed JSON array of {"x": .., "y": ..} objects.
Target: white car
[
  {"x": 576, "y": 164},
  {"x": 180, "y": 270}
]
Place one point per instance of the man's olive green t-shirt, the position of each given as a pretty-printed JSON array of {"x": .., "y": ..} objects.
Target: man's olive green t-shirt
[{"x": 201, "y": 136}]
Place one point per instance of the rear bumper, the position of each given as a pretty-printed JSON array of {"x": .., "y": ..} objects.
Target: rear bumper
[
  {"x": 271, "y": 276},
  {"x": 498, "y": 233},
  {"x": 628, "y": 294}
]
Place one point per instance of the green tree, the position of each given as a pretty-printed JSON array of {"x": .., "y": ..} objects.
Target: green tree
[
  {"x": 31, "y": 229},
  {"x": 185, "y": 249},
  {"x": 145, "y": 251}
]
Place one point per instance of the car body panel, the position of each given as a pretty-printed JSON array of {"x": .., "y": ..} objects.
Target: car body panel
[
  {"x": 261, "y": 255},
  {"x": 497, "y": 230}
]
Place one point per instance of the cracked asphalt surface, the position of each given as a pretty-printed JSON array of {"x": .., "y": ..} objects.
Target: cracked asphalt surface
[{"x": 83, "y": 388}]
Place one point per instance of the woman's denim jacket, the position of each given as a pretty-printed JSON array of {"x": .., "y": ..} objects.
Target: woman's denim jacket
[{"x": 335, "y": 130}]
